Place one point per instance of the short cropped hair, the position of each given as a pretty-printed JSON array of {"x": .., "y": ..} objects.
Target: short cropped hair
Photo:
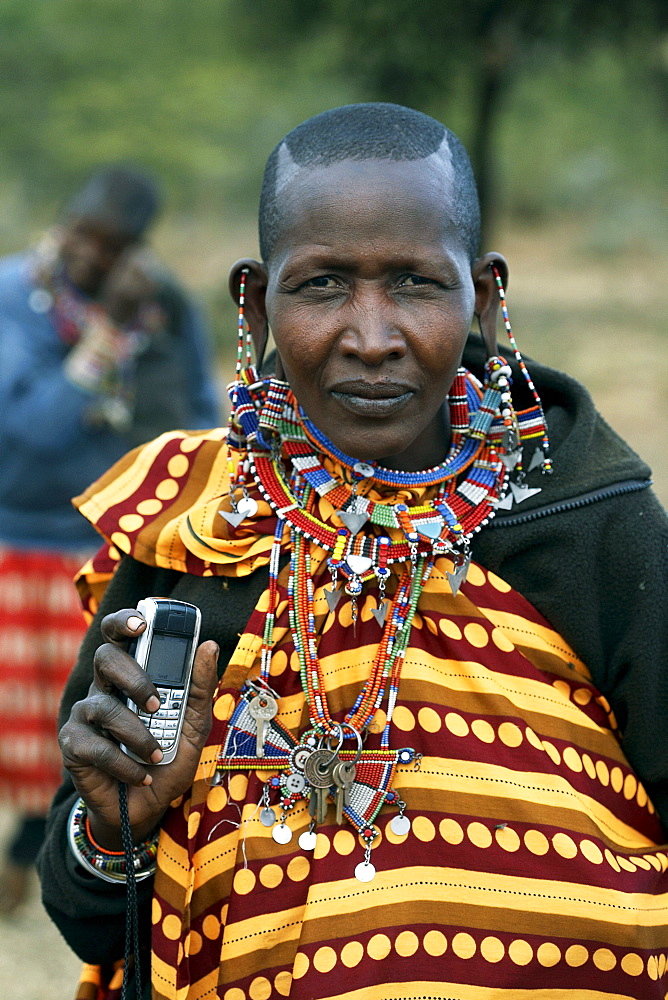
[{"x": 366, "y": 132}]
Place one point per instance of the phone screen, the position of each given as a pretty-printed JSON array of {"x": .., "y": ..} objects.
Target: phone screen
[{"x": 167, "y": 659}]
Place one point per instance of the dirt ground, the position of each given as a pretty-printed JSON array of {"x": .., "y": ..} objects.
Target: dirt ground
[
  {"x": 602, "y": 320},
  {"x": 35, "y": 962}
]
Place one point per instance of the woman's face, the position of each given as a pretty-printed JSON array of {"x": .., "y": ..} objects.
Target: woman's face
[{"x": 370, "y": 297}]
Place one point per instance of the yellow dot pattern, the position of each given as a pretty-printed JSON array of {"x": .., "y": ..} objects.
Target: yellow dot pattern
[{"x": 463, "y": 946}]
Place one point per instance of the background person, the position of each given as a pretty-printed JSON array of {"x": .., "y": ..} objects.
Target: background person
[
  {"x": 99, "y": 350},
  {"x": 478, "y": 698}
]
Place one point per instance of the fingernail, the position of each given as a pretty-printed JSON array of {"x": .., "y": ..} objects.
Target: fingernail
[
  {"x": 148, "y": 780},
  {"x": 133, "y": 623},
  {"x": 152, "y": 704},
  {"x": 157, "y": 756}
]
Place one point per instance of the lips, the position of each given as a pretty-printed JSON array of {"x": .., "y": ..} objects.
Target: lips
[{"x": 372, "y": 399}]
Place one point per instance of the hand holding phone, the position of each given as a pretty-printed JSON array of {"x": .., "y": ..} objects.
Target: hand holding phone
[{"x": 166, "y": 650}]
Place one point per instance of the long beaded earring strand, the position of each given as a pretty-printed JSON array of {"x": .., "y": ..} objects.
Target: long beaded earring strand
[{"x": 540, "y": 458}]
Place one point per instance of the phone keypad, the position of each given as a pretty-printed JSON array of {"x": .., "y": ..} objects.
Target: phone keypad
[{"x": 164, "y": 723}]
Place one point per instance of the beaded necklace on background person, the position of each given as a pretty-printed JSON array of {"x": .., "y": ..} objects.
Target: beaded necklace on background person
[{"x": 284, "y": 455}]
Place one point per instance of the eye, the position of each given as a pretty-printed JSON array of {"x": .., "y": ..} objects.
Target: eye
[
  {"x": 322, "y": 281},
  {"x": 414, "y": 280}
]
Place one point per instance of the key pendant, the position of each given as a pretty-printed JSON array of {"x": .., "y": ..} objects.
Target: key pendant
[
  {"x": 343, "y": 774},
  {"x": 318, "y": 772},
  {"x": 263, "y": 708}
]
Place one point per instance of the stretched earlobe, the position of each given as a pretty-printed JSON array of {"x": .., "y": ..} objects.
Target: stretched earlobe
[{"x": 487, "y": 296}]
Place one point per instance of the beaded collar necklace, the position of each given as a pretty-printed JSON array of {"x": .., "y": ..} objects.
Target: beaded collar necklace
[{"x": 285, "y": 455}]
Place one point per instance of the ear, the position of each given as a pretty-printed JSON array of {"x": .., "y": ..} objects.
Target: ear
[
  {"x": 254, "y": 308},
  {"x": 487, "y": 296}
]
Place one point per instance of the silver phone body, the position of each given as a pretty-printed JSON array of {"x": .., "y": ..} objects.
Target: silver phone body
[{"x": 166, "y": 651}]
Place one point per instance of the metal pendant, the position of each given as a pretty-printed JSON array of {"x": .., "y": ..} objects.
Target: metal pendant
[
  {"x": 510, "y": 460},
  {"x": 537, "y": 459},
  {"x": 232, "y": 517},
  {"x": 247, "y": 506},
  {"x": 380, "y": 613},
  {"x": 352, "y": 520},
  {"x": 458, "y": 576},
  {"x": 399, "y": 825},
  {"x": 307, "y": 840},
  {"x": 365, "y": 871},
  {"x": 282, "y": 834},
  {"x": 267, "y": 816},
  {"x": 332, "y": 597},
  {"x": 522, "y": 492},
  {"x": 506, "y": 503}
]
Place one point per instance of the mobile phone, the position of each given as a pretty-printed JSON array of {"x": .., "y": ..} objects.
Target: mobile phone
[{"x": 166, "y": 650}]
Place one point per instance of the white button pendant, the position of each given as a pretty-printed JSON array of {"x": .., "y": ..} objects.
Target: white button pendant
[
  {"x": 365, "y": 871},
  {"x": 282, "y": 834}
]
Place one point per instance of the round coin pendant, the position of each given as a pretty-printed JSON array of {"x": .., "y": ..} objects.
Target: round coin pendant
[
  {"x": 307, "y": 840},
  {"x": 267, "y": 816},
  {"x": 282, "y": 834},
  {"x": 247, "y": 506},
  {"x": 399, "y": 825},
  {"x": 365, "y": 871}
]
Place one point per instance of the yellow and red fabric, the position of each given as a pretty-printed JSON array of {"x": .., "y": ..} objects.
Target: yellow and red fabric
[{"x": 534, "y": 863}]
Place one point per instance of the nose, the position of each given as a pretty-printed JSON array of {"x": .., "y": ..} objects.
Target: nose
[{"x": 373, "y": 331}]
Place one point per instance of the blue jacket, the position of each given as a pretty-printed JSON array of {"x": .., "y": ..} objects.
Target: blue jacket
[{"x": 49, "y": 449}]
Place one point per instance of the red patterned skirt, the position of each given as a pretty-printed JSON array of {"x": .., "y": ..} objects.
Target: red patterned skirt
[{"x": 41, "y": 627}]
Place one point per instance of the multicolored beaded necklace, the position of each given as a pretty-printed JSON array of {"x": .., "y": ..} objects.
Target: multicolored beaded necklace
[{"x": 285, "y": 454}]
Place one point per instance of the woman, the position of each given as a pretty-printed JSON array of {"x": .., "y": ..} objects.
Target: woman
[
  {"x": 410, "y": 783},
  {"x": 100, "y": 352}
]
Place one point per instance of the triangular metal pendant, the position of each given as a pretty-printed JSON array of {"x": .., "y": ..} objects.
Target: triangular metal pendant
[
  {"x": 333, "y": 597},
  {"x": 457, "y": 578},
  {"x": 537, "y": 459},
  {"x": 521, "y": 493},
  {"x": 506, "y": 503},
  {"x": 511, "y": 460},
  {"x": 233, "y": 517},
  {"x": 380, "y": 613},
  {"x": 352, "y": 520}
]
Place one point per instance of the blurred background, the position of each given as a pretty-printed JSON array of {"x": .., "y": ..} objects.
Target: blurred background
[{"x": 562, "y": 106}]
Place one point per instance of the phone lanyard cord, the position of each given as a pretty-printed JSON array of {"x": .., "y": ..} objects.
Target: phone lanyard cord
[{"x": 132, "y": 912}]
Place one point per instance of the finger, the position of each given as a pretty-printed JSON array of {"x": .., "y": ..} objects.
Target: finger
[
  {"x": 84, "y": 747},
  {"x": 122, "y": 626},
  {"x": 107, "y": 715},
  {"x": 198, "y": 714},
  {"x": 114, "y": 669}
]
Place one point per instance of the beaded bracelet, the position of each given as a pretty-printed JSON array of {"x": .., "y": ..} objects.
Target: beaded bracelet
[{"x": 107, "y": 865}]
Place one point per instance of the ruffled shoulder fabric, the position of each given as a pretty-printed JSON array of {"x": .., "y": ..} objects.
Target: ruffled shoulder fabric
[{"x": 161, "y": 503}]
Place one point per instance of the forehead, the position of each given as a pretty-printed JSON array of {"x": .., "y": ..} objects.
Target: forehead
[{"x": 376, "y": 199}]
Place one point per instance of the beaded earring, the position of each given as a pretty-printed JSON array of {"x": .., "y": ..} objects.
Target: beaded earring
[
  {"x": 543, "y": 459},
  {"x": 243, "y": 330}
]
